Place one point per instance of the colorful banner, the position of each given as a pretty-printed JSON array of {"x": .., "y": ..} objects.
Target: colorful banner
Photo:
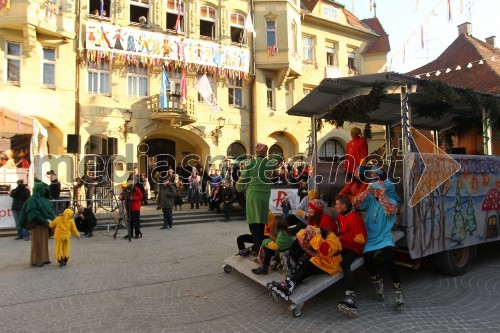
[
  {"x": 277, "y": 196},
  {"x": 145, "y": 46},
  {"x": 463, "y": 211}
]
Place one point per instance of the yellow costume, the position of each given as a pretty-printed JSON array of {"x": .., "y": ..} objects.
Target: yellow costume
[{"x": 64, "y": 226}]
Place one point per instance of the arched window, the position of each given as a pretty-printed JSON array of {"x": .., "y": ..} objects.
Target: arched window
[
  {"x": 208, "y": 18},
  {"x": 236, "y": 150},
  {"x": 276, "y": 150},
  {"x": 237, "y": 24},
  {"x": 175, "y": 16},
  {"x": 331, "y": 150}
]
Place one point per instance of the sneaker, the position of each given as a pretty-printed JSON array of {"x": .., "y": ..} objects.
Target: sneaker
[
  {"x": 289, "y": 265},
  {"x": 261, "y": 270},
  {"x": 136, "y": 237},
  {"x": 245, "y": 252}
]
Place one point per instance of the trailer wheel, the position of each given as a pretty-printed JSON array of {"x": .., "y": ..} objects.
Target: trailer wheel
[
  {"x": 455, "y": 262},
  {"x": 296, "y": 310},
  {"x": 228, "y": 269}
]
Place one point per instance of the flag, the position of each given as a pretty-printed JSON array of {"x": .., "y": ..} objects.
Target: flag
[
  {"x": 101, "y": 9},
  {"x": 449, "y": 11},
  {"x": 165, "y": 85},
  {"x": 205, "y": 90},
  {"x": 249, "y": 25},
  {"x": 178, "y": 29},
  {"x": 371, "y": 6},
  {"x": 184, "y": 87},
  {"x": 422, "y": 36},
  {"x": 19, "y": 122}
]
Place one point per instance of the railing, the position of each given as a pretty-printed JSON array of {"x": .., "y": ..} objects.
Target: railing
[{"x": 173, "y": 105}]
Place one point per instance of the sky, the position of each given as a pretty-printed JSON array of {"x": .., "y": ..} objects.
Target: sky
[{"x": 402, "y": 20}]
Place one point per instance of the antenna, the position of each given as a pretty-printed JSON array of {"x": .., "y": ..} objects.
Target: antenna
[{"x": 470, "y": 4}]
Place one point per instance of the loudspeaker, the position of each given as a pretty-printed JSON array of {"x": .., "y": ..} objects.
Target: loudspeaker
[
  {"x": 112, "y": 146},
  {"x": 95, "y": 145},
  {"x": 73, "y": 143}
]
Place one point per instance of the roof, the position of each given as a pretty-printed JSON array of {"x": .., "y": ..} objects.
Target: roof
[
  {"x": 380, "y": 44},
  {"x": 354, "y": 21},
  {"x": 332, "y": 92},
  {"x": 463, "y": 50}
]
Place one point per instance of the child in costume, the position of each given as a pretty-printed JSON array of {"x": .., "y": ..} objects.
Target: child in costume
[
  {"x": 280, "y": 240},
  {"x": 64, "y": 226}
]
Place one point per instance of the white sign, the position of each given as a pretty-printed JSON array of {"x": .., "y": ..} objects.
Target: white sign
[
  {"x": 277, "y": 196},
  {"x": 6, "y": 216}
]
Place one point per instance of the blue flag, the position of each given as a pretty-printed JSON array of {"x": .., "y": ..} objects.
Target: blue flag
[
  {"x": 165, "y": 85},
  {"x": 101, "y": 9}
]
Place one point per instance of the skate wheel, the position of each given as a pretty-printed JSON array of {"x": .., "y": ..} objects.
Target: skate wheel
[
  {"x": 296, "y": 310},
  {"x": 228, "y": 269}
]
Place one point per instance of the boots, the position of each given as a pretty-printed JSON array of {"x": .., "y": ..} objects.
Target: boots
[{"x": 261, "y": 270}]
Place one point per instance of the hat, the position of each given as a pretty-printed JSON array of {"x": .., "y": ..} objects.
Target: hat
[
  {"x": 51, "y": 172},
  {"x": 124, "y": 184},
  {"x": 312, "y": 194},
  {"x": 378, "y": 185},
  {"x": 316, "y": 205},
  {"x": 356, "y": 130},
  {"x": 20, "y": 181},
  {"x": 261, "y": 149}
]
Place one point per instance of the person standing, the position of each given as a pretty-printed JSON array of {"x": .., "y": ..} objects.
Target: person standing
[
  {"x": 165, "y": 202},
  {"x": 85, "y": 220},
  {"x": 380, "y": 217},
  {"x": 64, "y": 226},
  {"x": 19, "y": 195},
  {"x": 55, "y": 192},
  {"x": 256, "y": 177},
  {"x": 352, "y": 235},
  {"x": 194, "y": 195},
  {"x": 356, "y": 151},
  {"x": 228, "y": 198},
  {"x": 135, "y": 212},
  {"x": 36, "y": 214}
]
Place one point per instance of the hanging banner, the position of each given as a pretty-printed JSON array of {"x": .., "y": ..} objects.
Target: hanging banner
[{"x": 135, "y": 44}]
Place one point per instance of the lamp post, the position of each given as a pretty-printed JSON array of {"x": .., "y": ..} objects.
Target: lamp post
[
  {"x": 125, "y": 128},
  {"x": 217, "y": 132}
]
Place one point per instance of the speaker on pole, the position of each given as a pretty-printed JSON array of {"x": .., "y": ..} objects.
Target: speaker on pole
[
  {"x": 95, "y": 145},
  {"x": 73, "y": 143}
]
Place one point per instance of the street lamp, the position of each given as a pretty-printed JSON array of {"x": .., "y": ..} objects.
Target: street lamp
[
  {"x": 125, "y": 128},
  {"x": 217, "y": 132}
]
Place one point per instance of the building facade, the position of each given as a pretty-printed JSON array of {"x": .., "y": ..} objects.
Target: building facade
[{"x": 121, "y": 75}]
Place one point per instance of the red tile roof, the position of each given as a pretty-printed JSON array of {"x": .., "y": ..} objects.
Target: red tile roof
[
  {"x": 354, "y": 21},
  {"x": 462, "y": 51},
  {"x": 380, "y": 44}
]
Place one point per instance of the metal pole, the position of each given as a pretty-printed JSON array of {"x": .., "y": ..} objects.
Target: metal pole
[{"x": 314, "y": 160}]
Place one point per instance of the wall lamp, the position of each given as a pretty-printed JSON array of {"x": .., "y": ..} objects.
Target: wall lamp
[
  {"x": 217, "y": 132},
  {"x": 125, "y": 129}
]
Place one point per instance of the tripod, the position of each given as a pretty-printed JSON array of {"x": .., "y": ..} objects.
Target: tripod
[{"x": 123, "y": 217}]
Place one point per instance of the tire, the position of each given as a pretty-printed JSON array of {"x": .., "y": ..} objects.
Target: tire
[
  {"x": 228, "y": 269},
  {"x": 455, "y": 262}
]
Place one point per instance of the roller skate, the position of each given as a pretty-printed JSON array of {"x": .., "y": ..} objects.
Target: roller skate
[
  {"x": 348, "y": 305},
  {"x": 289, "y": 265},
  {"x": 398, "y": 296},
  {"x": 379, "y": 286},
  {"x": 284, "y": 289}
]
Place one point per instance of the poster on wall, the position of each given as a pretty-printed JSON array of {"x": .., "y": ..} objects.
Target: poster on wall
[
  {"x": 276, "y": 198},
  {"x": 132, "y": 44},
  {"x": 6, "y": 217}
]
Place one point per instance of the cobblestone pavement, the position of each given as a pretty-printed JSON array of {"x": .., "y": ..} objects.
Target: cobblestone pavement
[{"x": 173, "y": 281}]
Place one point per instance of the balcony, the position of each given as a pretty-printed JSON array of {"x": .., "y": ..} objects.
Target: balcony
[
  {"x": 175, "y": 113},
  {"x": 47, "y": 17}
]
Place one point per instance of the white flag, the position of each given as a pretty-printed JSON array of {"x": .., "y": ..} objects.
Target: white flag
[
  {"x": 205, "y": 90},
  {"x": 249, "y": 25}
]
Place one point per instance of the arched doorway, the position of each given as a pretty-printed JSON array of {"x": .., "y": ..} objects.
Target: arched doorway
[
  {"x": 276, "y": 150},
  {"x": 236, "y": 150},
  {"x": 161, "y": 151}
]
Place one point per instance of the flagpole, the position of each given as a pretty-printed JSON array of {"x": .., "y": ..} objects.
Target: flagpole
[{"x": 253, "y": 84}]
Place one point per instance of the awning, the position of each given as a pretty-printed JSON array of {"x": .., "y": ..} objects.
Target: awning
[{"x": 332, "y": 92}]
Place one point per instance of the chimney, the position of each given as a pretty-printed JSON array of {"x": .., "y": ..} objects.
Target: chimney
[
  {"x": 491, "y": 40},
  {"x": 464, "y": 28}
]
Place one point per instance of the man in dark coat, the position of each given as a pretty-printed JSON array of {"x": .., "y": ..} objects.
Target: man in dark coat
[
  {"x": 165, "y": 202},
  {"x": 19, "y": 195},
  {"x": 85, "y": 220}
]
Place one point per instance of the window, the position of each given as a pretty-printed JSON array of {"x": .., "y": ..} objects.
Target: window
[
  {"x": 270, "y": 93},
  {"x": 271, "y": 33},
  {"x": 235, "y": 93},
  {"x": 13, "y": 62},
  {"x": 351, "y": 63},
  {"x": 237, "y": 24},
  {"x": 212, "y": 86},
  {"x": 307, "y": 48},
  {"x": 331, "y": 150},
  {"x": 294, "y": 37},
  {"x": 175, "y": 82},
  {"x": 236, "y": 150},
  {"x": 331, "y": 54},
  {"x": 99, "y": 78},
  {"x": 49, "y": 67},
  {"x": 95, "y": 7},
  {"x": 306, "y": 91},
  {"x": 330, "y": 11},
  {"x": 208, "y": 18},
  {"x": 137, "y": 81},
  {"x": 139, "y": 8},
  {"x": 288, "y": 95},
  {"x": 175, "y": 16}
]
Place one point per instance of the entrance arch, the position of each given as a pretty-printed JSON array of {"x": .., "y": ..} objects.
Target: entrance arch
[{"x": 286, "y": 142}]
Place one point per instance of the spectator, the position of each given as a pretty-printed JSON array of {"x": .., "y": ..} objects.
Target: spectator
[
  {"x": 165, "y": 202},
  {"x": 143, "y": 21},
  {"x": 194, "y": 195},
  {"x": 178, "y": 199},
  {"x": 85, "y": 220},
  {"x": 19, "y": 195},
  {"x": 227, "y": 198},
  {"x": 135, "y": 213},
  {"x": 285, "y": 207},
  {"x": 55, "y": 192},
  {"x": 216, "y": 198}
]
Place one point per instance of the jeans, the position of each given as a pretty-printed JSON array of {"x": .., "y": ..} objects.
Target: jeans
[
  {"x": 167, "y": 217},
  {"x": 23, "y": 232}
]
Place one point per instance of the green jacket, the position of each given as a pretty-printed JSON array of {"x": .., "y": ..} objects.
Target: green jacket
[
  {"x": 283, "y": 242},
  {"x": 37, "y": 209},
  {"x": 166, "y": 196}
]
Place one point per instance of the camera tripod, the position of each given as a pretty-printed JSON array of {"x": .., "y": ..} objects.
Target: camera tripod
[{"x": 123, "y": 221}]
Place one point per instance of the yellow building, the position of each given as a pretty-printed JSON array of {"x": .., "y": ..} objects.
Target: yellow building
[{"x": 125, "y": 49}]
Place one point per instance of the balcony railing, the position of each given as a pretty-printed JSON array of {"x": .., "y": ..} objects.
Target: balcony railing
[{"x": 177, "y": 113}]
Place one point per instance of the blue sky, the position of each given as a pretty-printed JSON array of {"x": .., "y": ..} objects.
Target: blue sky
[{"x": 402, "y": 19}]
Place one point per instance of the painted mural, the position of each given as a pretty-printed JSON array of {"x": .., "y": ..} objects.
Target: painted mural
[
  {"x": 157, "y": 49},
  {"x": 462, "y": 211}
]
